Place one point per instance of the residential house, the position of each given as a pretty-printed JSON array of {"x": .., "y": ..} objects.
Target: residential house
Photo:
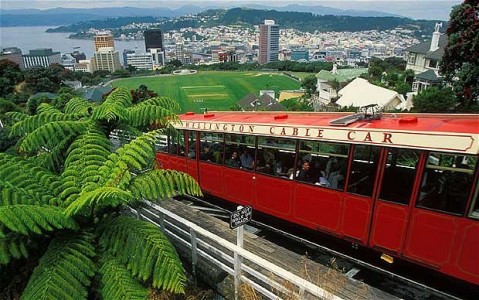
[
  {"x": 360, "y": 92},
  {"x": 424, "y": 59}
]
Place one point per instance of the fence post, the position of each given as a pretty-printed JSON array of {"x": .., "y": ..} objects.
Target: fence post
[
  {"x": 237, "y": 260},
  {"x": 194, "y": 252}
]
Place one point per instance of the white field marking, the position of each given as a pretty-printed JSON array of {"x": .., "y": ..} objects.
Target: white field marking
[{"x": 202, "y": 86}]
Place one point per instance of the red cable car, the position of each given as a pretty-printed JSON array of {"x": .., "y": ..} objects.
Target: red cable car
[{"x": 405, "y": 185}]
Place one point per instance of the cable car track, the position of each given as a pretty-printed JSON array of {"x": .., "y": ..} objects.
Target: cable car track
[{"x": 356, "y": 269}]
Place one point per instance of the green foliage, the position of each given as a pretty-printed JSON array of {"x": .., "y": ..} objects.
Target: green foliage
[
  {"x": 68, "y": 193},
  {"x": 145, "y": 251},
  {"x": 28, "y": 219},
  {"x": 434, "y": 100},
  {"x": 460, "y": 63},
  {"x": 10, "y": 75},
  {"x": 161, "y": 184},
  {"x": 64, "y": 271},
  {"x": 309, "y": 84},
  {"x": 296, "y": 104},
  {"x": 142, "y": 93},
  {"x": 116, "y": 281},
  {"x": 114, "y": 107}
]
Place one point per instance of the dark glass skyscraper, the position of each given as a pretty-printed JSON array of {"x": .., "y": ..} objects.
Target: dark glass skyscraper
[{"x": 153, "y": 39}]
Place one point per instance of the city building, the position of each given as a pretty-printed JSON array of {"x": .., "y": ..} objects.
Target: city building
[
  {"x": 103, "y": 40},
  {"x": 268, "y": 42},
  {"x": 106, "y": 59},
  {"x": 424, "y": 58},
  {"x": 41, "y": 57},
  {"x": 78, "y": 55},
  {"x": 302, "y": 55},
  {"x": 139, "y": 60},
  {"x": 153, "y": 39},
  {"x": 154, "y": 45},
  {"x": 84, "y": 65},
  {"x": 68, "y": 61},
  {"x": 13, "y": 54}
]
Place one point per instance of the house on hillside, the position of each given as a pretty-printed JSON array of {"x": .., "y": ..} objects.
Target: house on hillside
[
  {"x": 264, "y": 102},
  {"x": 361, "y": 93},
  {"x": 326, "y": 91},
  {"x": 424, "y": 59}
]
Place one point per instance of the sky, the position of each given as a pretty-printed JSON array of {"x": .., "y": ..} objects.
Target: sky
[{"x": 418, "y": 9}]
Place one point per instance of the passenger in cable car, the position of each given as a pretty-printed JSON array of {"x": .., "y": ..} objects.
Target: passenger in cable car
[
  {"x": 234, "y": 160},
  {"x": 246, "y": 160},
  {"x": 207, "y": 153},
  {"x": 304, "y": 174}
]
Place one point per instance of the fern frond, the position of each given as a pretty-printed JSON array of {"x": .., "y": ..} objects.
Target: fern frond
[
  {"x": 142, "y": 115},
  {"x": 11, "y": 194},
  {"x": 145, "y": 250},
  {"x": 16, "y": 116},
  {"x": 45, "y": 108},
  {"x": 78, "y": 105},
  {"x": 28, "y": 219},
  {"x": 105, "y": 196},
  {"x": 114, "y": 106},
  {"x": 12, "y": 246},
  {"x": 164, "y": 102},
  {"x": 116, "y": 281},
  {"x": 51, "y": 134},
  {"x": 160, "y": 184},
  {"x": 31, "y": 123},
  {"x": 64, "y": 271}
]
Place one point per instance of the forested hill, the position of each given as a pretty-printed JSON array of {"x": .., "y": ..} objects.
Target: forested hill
[
  {"x": 308, "y": 21},
  {"x": 247, "y": 17}
]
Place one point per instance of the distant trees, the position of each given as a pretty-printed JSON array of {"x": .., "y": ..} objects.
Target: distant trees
[
  {"x": 142, "y": 93},
  {"x": 460, "y": 63},
  {"x": 309, "y": 85},
  {"x": 10, "y": 76}
]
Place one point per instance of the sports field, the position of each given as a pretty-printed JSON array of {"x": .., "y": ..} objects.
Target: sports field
[{"x": 212, "y": 90}]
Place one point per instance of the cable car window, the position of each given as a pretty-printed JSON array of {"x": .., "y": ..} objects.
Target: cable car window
[
  {"x": 191, "y": 144},
  {"x": 362, "y": 174},
  {"x": 211, "y": 147},
  {"x": 275, "y": 156},
  {"x": 323, "y": 164},
  {"x": 161, "y": 143},
  {"x": 176, "y": 142},
  {"x": 446, "y": 182},
  {"x": 399, "y": 174},
  {"x": 475, "y": 204},
  {"x": 239, "y": 151}
]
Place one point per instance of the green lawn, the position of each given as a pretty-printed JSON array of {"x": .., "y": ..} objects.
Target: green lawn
[{"x": 213, "y": 90}]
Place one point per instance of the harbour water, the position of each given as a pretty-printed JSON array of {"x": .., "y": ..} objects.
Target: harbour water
[{"x": 28, "y": 38}]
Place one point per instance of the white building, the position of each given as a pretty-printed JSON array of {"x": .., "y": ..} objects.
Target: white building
[
  {"x": 41, "y": 57},
  {"x": 141, "y": 61},
  {"x": 84, "y": 65}
]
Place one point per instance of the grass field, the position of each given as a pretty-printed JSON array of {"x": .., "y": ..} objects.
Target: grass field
[{"x": 212, "y": 90}]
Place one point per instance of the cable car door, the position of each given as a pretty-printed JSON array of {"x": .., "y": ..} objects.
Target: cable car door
[{"x": 391, "y": 207}]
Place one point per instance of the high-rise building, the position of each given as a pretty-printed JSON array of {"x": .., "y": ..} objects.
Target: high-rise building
[
  {"x": 106, "y": 59},
  {"x": 268, "y": 42},
  {"x": 103, "y": 39},
  {"x": 153, "y": 39},
  {"x": 139, "y": 60},
  {"x": 41, "y": 57}
]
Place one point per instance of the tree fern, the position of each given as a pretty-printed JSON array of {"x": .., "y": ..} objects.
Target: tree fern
[
  {"x": 142, "y": 115},
  {"x": 51, "y": 134},
  {"x": 30, "y": 123},
  {"x": 45, "y": 108},
  {"x": 160, "y": 184},
  {"x": 114, "y": 107},
  {"x": 145, "y": 251},
  {"x": 109, "y": 196},
  {"x": 11, "y": 194},
  {"x": 12, "y": 246},
  {"x": 64, "y": 271},
  {"x": 32, "y": 219},
  {"x": 78, "y": 105},
  {"x": 164, "y": 102},
  {"x": 116, "y": 281}
]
